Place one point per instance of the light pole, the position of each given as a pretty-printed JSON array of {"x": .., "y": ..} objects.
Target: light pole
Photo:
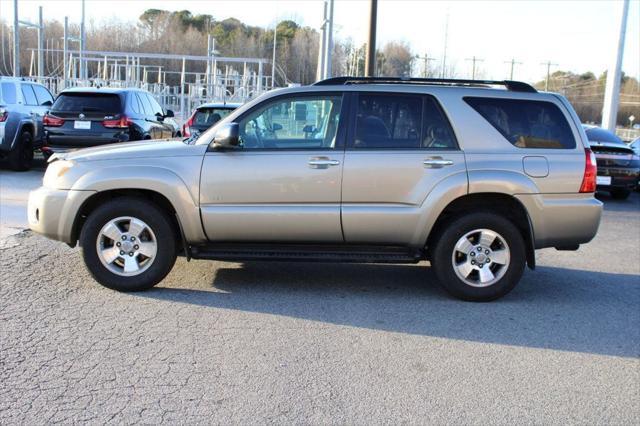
[{"x": 370, "y": 63}]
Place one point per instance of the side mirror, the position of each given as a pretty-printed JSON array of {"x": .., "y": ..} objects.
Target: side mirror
[
  {"x": 227, "y": 136},
  {"x": 47, "y": 103},
  {"x": 170, "y": 113},
  {"x": 309, "y": 128},
  {"x": 276, "y": 127},
  {"x": 159, "y": 116}
]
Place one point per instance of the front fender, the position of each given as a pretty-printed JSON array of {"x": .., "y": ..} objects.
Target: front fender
[{"x": 149, "y": 178}]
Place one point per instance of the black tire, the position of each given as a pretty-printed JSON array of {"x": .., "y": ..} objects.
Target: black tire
[
  {"x": 443, "y": 251},
  {"x": 159, "y": 223},
  {"x": 620, "y": 193},
  {"x": 21, "y": 156}
]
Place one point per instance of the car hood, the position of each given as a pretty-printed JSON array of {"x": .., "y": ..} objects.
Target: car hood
[{"x": 126, "y": 150}]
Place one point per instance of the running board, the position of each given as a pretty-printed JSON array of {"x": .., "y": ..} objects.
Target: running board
[{"x": 307, "y": 253}]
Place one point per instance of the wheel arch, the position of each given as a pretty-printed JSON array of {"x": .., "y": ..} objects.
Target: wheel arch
[{"x": 503, "y": 204}]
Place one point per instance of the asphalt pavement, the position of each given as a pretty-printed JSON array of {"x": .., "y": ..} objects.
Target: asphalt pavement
[{"x": 256, "y": 343}]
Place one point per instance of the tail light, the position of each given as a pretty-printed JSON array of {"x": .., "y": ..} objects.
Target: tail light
[
  {"x": 121, "y": 123},
  {"x": 590, "y": 172},
  {"x": 4, "y": 114},
  {"x": 53, "y": 121},
  {"x": 186, "y": 126}
]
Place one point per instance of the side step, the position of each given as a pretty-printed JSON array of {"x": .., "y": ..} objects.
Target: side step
[{"x": 307, "y": 253}]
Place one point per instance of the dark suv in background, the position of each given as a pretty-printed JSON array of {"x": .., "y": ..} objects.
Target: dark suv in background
[
  {"x": 618, "y": 164},
  {"x": 84, "y": 117},
  {"x": 22, "y": 106}
]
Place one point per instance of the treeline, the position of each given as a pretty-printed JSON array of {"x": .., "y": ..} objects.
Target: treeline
[
  {"x": 586, "y": 94},
  {"x": 161, "y": 31}
]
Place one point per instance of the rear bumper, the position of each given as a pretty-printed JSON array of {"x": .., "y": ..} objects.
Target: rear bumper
[
  {"x": 84, "y": 140},
  {"x": 562, "y": 220},
  {"x": 51, "y": 212}
]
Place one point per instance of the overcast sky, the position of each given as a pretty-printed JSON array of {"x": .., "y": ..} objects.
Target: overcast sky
[{"x": 577, "y": 35}]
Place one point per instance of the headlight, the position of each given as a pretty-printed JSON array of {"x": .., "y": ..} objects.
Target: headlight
[{"x": 55, "y": 171}]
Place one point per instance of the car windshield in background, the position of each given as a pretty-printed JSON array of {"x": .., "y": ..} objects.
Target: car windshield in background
[
  {"x": 87, "y": 102},
  {"x": 596, "y": 134},
  {"x": 210, "y": 116}
]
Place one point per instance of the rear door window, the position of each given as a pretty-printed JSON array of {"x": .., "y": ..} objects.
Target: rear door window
[
  {"x": 146, "y": 106},
  {"x": 526, "y": 123},
  {"x": 88, "y": 102},
  {"x": 401, "y": 121},
  {"x": 43, "y": 95},
  {"x": 29, "y": 95},
  {"x": 8, "y": 93}
]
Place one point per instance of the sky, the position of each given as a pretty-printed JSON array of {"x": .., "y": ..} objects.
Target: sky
[{"x": 578, "y": 36}]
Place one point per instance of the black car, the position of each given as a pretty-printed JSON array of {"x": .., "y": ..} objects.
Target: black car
[
  {"x": 618, "y": 165},
  {"x": 84, "y": 117},
  {"x": 205, "y": 116}
]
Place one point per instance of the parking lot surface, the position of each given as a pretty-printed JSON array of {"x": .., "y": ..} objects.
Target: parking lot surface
[{"x": 320, "y": 343}]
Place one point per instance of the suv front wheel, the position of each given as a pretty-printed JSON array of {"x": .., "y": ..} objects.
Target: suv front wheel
[
  {"x": 128, "y": 244},
  {"x": 479, "y": 257}
]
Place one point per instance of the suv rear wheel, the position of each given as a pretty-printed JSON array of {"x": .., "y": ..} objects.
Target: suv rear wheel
[
  {"x": 479, "y": 257},
  {"x": 128, "y": 244},
  {"x": 21, "y": 156}
]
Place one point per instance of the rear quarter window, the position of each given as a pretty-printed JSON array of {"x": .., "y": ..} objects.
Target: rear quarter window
[
  {"x": 88, "y": 102},
  {"x": 526, "y": 123},
  {"x": 8, "y": 95}
]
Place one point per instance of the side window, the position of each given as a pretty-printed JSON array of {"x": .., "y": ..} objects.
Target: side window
[
  {"x": 304, "y": 122},
  {"x": 388, "y": 121},
  {"x": 135, "y": 103},
  {"x": 9, "y": 93},
  {"x": 155, "y": 106},
  {"x": 43, "y": 95},
  {"x": 526, "y": 124},
  {"x": 29, "y": 96},
  {"x": 146, "y": 106}
]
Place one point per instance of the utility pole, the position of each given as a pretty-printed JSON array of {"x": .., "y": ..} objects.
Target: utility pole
[
  {"x": 273, "y": 61},
  {"x": 370, "y": 63},
  {"x": 549, "y": 65},
  {"x": 83, "y": 65},
  {"x": 321, "y": 47},
  {"x": 614, "y": 73},
  {"x": 329, "y": 43},
  {"x": 473, "y": 66},
  {"x": 16, "y": 40},
  {"x": 513, "y": 63},
  {"x": 426, "y": 59},
  {"x": 444, "y": 54},
  {"x": 40, "y": 45}
]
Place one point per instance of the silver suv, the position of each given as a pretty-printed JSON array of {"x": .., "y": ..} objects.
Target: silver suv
[{"x": 470, "y": 177}]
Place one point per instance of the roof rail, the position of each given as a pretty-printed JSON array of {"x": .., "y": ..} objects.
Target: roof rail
[{"x": 515, "y": 86}]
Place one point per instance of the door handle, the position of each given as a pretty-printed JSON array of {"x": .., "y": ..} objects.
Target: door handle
[
  {"x": 436, "y": 163},
  {"x": 322, "y": 162}
]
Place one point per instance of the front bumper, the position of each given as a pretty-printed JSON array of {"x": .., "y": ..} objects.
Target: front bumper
[{"x": 52, "y": 212}]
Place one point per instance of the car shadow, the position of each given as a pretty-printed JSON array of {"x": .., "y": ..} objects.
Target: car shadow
[{"x": 552, "y": 308}]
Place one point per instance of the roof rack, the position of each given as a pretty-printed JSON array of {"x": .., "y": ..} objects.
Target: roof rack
[{"x": 515, "y": 86}]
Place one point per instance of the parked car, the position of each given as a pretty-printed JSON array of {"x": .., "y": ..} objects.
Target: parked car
[
  {"x": 467, "y": 176},
  {"x": 205, "y": 116},
  {"x": 635, "y": 145},
  {"x": 618, "y": 164},
  {"x": 85, "y": 117},
  {"x": 22, "y": 106}
]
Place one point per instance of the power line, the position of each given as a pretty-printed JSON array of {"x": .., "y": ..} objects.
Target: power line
[
  {"x": 549, "y": 64},
  {"x": 473, "y": 66},
  {"x": 513, "y": 63}
]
